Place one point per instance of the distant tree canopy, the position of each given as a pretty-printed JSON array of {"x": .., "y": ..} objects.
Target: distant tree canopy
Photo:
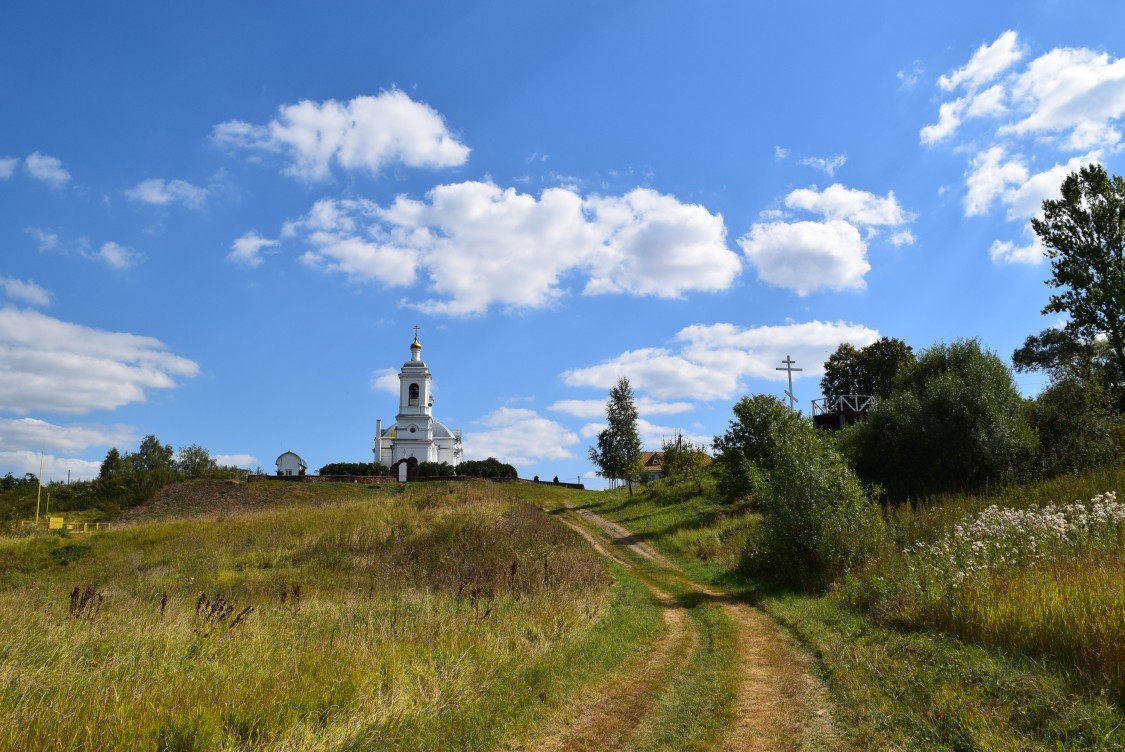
[
  {"x": 869, "y": 370},
  {"x": 435, "y": 470},
  {"x": 954, "y": 421},
  {"x": 487, "y": 468},
  {"x": 354, "y": 468}
]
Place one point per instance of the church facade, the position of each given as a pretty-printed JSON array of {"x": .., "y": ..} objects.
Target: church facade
[{"x": 415, "y": 434}]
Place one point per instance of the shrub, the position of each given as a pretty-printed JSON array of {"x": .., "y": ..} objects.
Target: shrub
[
  {"x": 954, "y": 422},
  {"x": 817, "y": 523},
  {"x": 750, "y": 444}
]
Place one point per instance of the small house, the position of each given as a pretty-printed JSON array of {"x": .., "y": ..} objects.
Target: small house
[
  {"x": 653, "y": 463},
  {"x": 291, "y": 463}
]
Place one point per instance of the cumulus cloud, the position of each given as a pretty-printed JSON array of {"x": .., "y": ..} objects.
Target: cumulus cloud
[
  {"x": 54, "y": 468},
  {"x": 519, "y": 436},
  {"x": 366, "y": 133},
  {"x": 595, "y": 408},
  {"x": 24, "y": 291},
  {"x": 480, "y": 245},
  {"x": 163, "y": 192},
  {"x": 46, "y": 169},
  {"x": 116, "y": 256},
  {"x": 828, "y": 254},
  {"x": 249, "y": 249},
  {"x": 48, "y": 364},
  {"x": 988, "y": 62},
  {"x": 31, "y": 433},
  {"x": 235, "y": 460},
  {"x": 1006, "y": 251},
  {"x": 386, "y": 380},
  {"x": 1066, "y": 100},
  {"x": 713, "y": 361},
  {"x": 808, "y": 256},
  {"x": 854, "y": 206}
]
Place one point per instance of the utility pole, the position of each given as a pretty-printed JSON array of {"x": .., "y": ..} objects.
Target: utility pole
[{"x": 789, "y": 369}]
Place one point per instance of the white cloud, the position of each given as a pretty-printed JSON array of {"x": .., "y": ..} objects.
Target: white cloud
[
  {"x": 235, "y": 460},
  {"x": 1026, "y": 200},
  {"x": 780, "y": 153},
  {"x": 386, "y": 380},
  {"x": 20, "y": 463},
  {"x": 8, "y": 167},
  {"x": 1076, "y": 92},
  {"x": 1007, "y": 252},
  {"x": 25, "y": 292},
  {"x": 989, "y": 178},
  {"x": 715, "y": 360},
  {"x": 480, "y": 245},
  {"x": 365, "y": 133},
  {"x": 851, "y": 205},
  {"x": 519, "y": 436},
  {"x": 116, "y": 256},
  {"x": 47, "y": 241},
  {"x": 808, "y": 256},
  {"x": 988, "y": 62},
  {"x": 33, "y": 434},
  {"x": 827, "y": 165},
  {"x": 988, "y": 103},
  {"x": 949, "y": 119},
  {"x": 46, "y": 169},
  {"x": 651, "y": 244},
  {"x": 48, "y": 364},
  {"x": 248, "y": 249},
  {"x": 162, "y": 192},
  {"x": 1069, "y": 100},
  {"x": 595, "y": 408}
]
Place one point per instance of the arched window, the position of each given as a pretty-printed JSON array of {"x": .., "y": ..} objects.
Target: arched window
[{"x": 413, "y": 395}]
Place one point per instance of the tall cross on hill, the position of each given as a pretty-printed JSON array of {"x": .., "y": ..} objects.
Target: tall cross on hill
[{"x": 789, "y": 369}]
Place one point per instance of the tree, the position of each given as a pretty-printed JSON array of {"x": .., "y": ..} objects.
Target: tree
[
  {"x": 817, "y": 523},
  {"x": 954, "y": 421},
  {"x": 195, "y": 462},
  {"x": 869, "y": 370},
  {"x": 487, "y": 468},
  {"x": 152, "y": 456},
  {"x": 618, "y": 454},
  {"x": 685, "y": 459},
  {"x": 113, "y": 465},
  {"x": 1084, "y": 236},
  {"x": 749, "y": 447}
]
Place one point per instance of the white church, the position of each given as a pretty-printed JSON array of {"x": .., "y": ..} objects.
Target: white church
[{"x": 415, "y": 434}]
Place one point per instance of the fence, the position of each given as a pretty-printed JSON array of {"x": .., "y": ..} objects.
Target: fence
[{"x": 58, "y": 523}]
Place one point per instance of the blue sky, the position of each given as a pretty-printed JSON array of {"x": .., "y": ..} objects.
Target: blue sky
[{"x": 220, "y": 222}]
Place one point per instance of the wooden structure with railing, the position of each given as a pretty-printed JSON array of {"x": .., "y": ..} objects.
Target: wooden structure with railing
[{"x": 834, "y": 413}]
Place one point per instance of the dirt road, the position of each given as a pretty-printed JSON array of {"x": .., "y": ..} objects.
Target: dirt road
[{"x": 722, "y": 676}]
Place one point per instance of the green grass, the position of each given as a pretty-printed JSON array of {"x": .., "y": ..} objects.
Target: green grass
[
  {"x": 446, "y": 617},
  {"x": 1031, "y": 664}
]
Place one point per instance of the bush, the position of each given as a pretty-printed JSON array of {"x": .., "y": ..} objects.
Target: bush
[
  {"x": 354, "y": 468},
  {"x": 488, "y": 468},
  {"x": 749, "y": 446},
  {"x": 954, "y": 422},
  {"x": 817, "y": 524}
]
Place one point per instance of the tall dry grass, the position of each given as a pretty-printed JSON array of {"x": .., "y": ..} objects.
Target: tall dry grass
[{"x": 435, "y": 619}]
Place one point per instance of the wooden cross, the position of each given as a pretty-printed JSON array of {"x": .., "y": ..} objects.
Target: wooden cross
[{"x": 789, "y": 369}]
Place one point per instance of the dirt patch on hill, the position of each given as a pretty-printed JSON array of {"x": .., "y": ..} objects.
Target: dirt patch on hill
[{"x": 201, "y": 498}]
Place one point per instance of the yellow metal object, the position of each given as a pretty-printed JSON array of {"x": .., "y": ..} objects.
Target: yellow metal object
[{"x": 55, "y": 523}]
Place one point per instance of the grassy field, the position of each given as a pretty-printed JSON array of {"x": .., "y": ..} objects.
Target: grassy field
[
  {"x": 445, "y": 617},
  {"x": 1024, "y": 654}
]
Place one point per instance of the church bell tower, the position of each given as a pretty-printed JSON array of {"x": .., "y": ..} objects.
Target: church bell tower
[{"x": 414, "y": 422}]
